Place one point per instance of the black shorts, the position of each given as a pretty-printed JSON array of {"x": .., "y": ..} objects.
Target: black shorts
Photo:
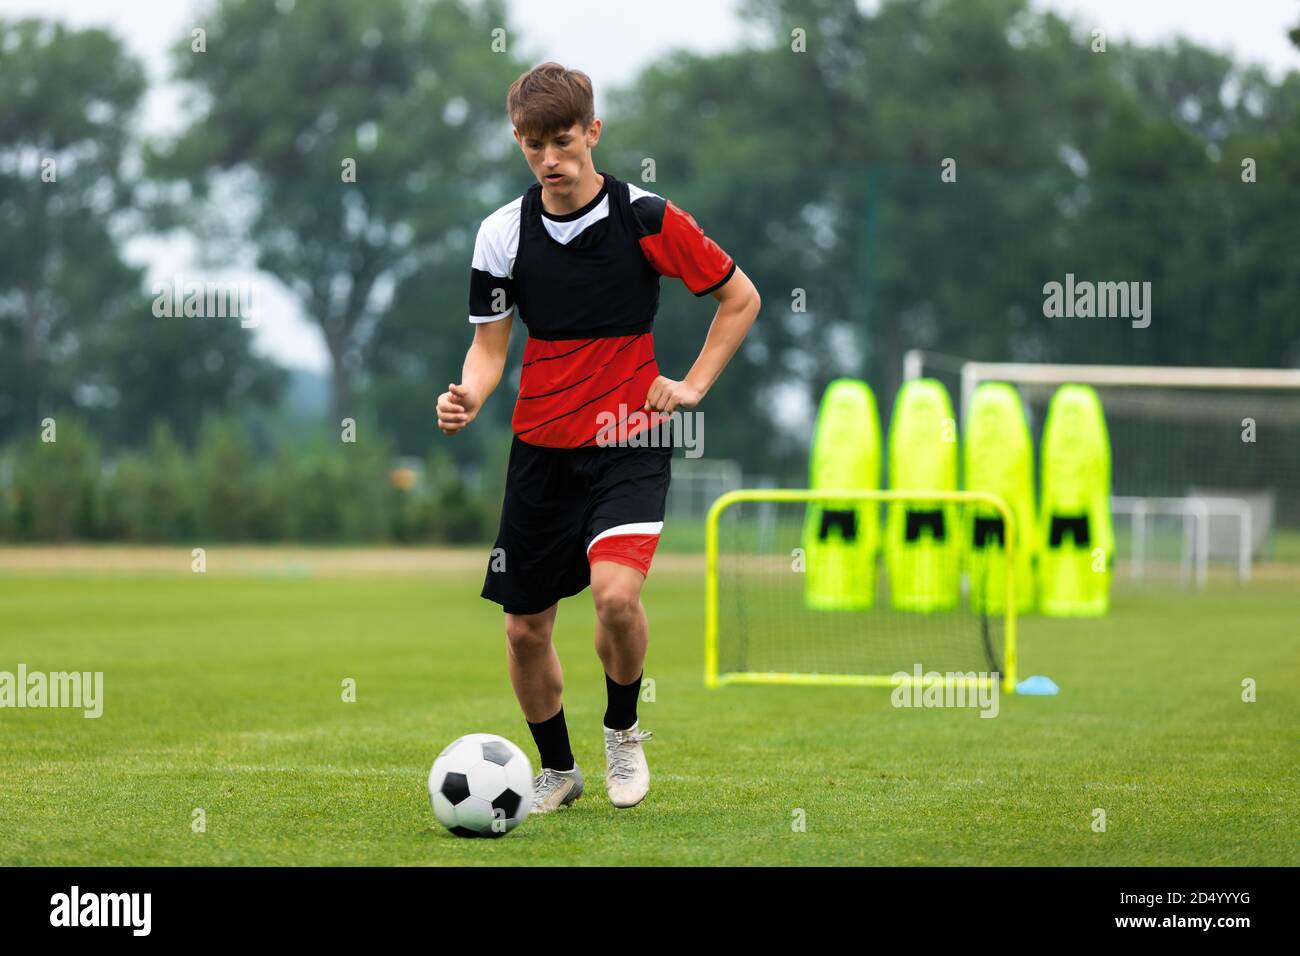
[{"x": 566, "y": 508}]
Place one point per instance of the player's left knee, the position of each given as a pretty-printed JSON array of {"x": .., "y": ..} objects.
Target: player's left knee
[{"x": 618, "y": 604}]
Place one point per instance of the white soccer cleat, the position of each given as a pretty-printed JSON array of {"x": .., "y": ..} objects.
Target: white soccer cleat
[
  {"x": 628, "y": 776},
  {"x": 556, "y": 788}
]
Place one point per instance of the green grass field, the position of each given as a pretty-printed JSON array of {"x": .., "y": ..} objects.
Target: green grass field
[{"x": 224, "y": 693}]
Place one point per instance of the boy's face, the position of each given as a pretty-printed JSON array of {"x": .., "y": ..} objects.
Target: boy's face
[{"x": 558, "y": 159}]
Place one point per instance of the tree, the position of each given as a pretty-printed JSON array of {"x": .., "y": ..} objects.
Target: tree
[
  {"x": 821, "y": 172},
  {"x": 351, "y": 131},
  {"x": 66, "y": 97},
  {"x": 76, "y": 325}
]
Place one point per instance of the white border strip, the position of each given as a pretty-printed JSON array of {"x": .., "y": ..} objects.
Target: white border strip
[
  {"x": 640, "y": 527},
  {"x": 1138, "y": 375}
]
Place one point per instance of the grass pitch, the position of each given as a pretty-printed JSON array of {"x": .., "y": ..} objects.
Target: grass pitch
[{"x": 224, "y": 692}]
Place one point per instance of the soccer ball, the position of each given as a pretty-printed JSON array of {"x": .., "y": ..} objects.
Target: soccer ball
[{"x": 481, "y": 786}]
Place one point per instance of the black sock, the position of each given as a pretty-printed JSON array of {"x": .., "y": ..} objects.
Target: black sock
[
  {"x": 552, "y": 739},
  {"x": 620, "y": 713}
]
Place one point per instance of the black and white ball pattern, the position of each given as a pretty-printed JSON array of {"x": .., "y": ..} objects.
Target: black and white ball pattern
[{"x": 481, "y": 786}]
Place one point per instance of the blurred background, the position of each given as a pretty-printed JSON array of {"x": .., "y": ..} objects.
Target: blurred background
[{"x": 153, "y": 147}]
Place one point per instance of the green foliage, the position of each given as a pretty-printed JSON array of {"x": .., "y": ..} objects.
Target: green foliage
[
  {"x": 444, "y": 508},
  {"x": 55, "y": 484},
  {"x": 76, "y": 327},
  {"x": 66, "y": 103},
  {"x": 323, "y": 491},
  {"x": 223, "y": 476},
  {"x": 413, "y": 95},
  {"x": 339, "y": 493},
  {"x": 152, "y": 493},
  {"x": 8, "y": 495},
  {"x": 819, "y": 171}
]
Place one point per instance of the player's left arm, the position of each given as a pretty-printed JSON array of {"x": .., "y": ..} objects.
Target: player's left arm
[
  {"x": 676, "y": 246},
  {"x": 739, "y": 303}
]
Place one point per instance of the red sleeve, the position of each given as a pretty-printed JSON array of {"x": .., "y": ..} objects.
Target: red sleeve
[{"x": 681, "y": 250}]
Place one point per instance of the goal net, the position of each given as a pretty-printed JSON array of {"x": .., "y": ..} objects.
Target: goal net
[{"x": 874, "y": 588}]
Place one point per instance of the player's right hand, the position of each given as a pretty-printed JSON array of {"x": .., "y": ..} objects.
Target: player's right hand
[{"x": 457, "y": 407}]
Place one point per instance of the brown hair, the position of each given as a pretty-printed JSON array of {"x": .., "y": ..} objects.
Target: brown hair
[{"x": 549, "y": 98}]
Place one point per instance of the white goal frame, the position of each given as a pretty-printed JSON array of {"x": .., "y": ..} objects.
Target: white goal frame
[
  {"x": 1143, "y": 376},
  {"x": 916, "y": 361},
  {"x": 1196, "y": 512}
]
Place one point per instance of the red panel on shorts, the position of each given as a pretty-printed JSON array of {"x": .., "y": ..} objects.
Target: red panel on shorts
[{"x": 634, "y": 550}]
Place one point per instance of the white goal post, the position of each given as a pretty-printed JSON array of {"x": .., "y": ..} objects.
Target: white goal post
[
  {"x": 916, "y": 361},
  {"x": 1196, "y": 513},
  {"x": 1144, "y": 376}
]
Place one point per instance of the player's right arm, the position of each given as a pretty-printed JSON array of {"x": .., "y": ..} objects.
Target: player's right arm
[
  {"x": 485, "y": 362},
  {"x": 491, "y": 310}
]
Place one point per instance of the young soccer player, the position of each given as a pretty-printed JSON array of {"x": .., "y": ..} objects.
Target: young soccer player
[{"x": 578, "y": 258}]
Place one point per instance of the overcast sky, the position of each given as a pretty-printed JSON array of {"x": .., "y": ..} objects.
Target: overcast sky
[{"x": 595, "y": 36}]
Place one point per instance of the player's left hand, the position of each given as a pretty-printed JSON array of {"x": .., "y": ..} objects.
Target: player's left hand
[{"x": 667, "y": 395}]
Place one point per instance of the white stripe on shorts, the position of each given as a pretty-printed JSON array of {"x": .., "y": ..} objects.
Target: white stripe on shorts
[{"x": 639, "y": 527}]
